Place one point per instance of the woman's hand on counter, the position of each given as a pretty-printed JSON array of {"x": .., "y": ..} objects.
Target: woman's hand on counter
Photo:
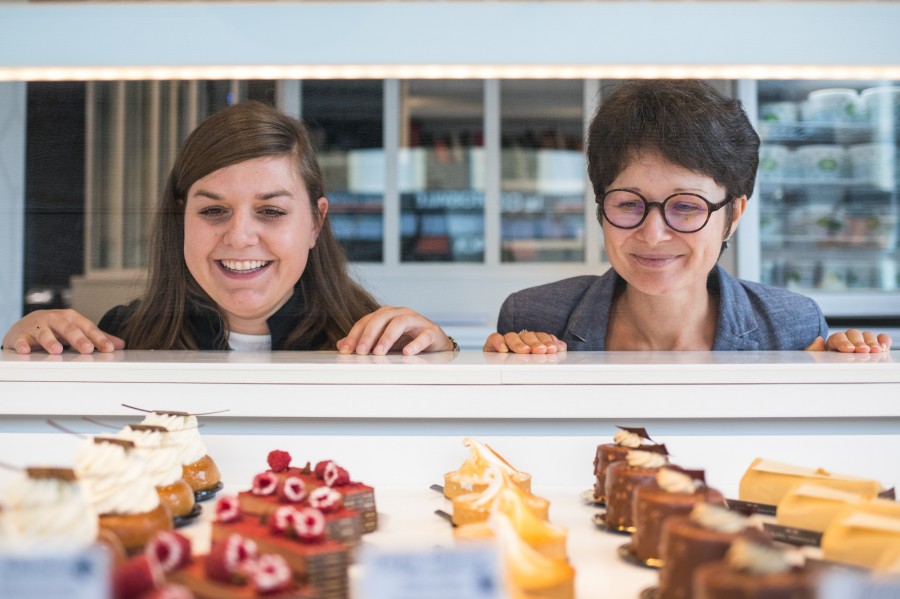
[
  {"x": 524, "y": 342},
  {"x": 853, "y": 341},
  {"x": 391, "y": 328},
  {"x": 51, "y": 329}
]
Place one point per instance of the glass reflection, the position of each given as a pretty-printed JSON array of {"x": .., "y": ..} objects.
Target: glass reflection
[
  {"x": 542, "y": 171},
  {"x": 441, "y": 171},
  {"x": 345, "y": 119}
]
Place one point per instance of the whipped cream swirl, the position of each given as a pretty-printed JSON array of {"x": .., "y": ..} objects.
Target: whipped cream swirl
[
  {"x": 627, "y": 439},
  {"x": 47, "y": 515},
  {"x": 162, "y": 455},
  {"x": 645, "y": 459},
  {"x": 184, "y": 432},
  {"x": 720, "y": 519},
  {"x": 757, "y": 558},
  {"x": 673, "y": 481},
  {"x": 116, "y": 479}
]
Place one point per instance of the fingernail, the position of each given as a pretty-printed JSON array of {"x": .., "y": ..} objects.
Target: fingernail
[
  {"x": 379, "y": 350},
  {"x": 362, "y": 348},
  {"x": 503, "y": 348}
]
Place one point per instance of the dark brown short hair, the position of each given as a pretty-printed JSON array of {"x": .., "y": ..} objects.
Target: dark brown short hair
[
  {"x": 687, "y": 122},
  {"x": 235, "y": 134}
]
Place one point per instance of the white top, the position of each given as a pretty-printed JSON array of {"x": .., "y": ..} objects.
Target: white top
[{"x": 249, "y": 343}]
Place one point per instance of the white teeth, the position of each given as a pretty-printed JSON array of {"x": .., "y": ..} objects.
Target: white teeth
[{"x": 243, "y": 265}]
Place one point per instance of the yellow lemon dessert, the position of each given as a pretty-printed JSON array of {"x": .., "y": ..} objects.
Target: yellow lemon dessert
[
  {"x": 476, "y": 507},
  {"x": 543, "y": 537},
  {"x": 471, "y": 477}
]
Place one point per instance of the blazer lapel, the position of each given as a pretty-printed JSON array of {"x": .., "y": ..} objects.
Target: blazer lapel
[{"x": 736, "y": 319}]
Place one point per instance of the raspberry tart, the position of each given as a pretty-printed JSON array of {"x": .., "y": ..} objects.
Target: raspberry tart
[
  {"x": 349, "y": 512},
  {"x": 295, "y": 533}
]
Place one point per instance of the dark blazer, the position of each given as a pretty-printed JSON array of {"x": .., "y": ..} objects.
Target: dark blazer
[
  {"x": 751, "y": 316},
  {"x": 209, "y": 330}
]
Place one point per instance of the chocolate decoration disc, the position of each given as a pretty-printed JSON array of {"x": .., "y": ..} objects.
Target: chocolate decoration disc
[
  {"x": 208, "y": 493},
  {"x": 588, "y": 496},
  {"x": 626, "y": 554},
  {"x": 148, "y": 428},
  {"x": 180, "y": 521},
  {"x": 650, "y": 593},
  {"x": 599, "y": 520},
  {"x": 39, "y": 472},
  {"x": 123, "y": 443}
]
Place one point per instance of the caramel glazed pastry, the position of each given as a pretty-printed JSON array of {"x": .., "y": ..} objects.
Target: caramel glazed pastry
[
  {"x": 198, "y": 468},
  {"x": 115, "y": 477},
  {"x": 163, "y": 464}
]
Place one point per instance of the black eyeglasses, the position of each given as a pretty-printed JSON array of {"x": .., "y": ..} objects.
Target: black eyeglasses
[{"x": 683, "y": 212}]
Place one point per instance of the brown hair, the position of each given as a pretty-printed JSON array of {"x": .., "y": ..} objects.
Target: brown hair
[
  {"x": 244, "y": 131},
  {"x": 687, "y": 122}
]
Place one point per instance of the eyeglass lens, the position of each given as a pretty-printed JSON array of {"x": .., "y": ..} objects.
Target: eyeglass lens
[{"x": 683, "y": 212}]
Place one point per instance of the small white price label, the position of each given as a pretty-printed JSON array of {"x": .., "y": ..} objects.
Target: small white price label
[
  {"x": 472, "y": 572},
  {"x": 83, "y": 575},
  {"x": 856, "y": 585}
]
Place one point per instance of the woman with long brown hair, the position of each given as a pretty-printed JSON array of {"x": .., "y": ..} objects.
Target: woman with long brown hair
[{"x": 242, "y": 257}]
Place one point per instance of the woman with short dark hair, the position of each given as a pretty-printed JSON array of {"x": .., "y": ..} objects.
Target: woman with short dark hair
[{"x": 672, "y": 164}]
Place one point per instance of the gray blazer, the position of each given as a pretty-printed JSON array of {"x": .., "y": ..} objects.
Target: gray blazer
[{"x": 751, "y": 316}]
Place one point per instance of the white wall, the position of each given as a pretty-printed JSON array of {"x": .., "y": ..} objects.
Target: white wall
[{"x": 12, "y": 200}]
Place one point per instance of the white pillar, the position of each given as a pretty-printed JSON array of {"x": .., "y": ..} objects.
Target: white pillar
[{"x": 12, "y": 201}]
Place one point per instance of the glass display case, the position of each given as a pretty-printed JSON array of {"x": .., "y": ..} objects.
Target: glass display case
[
  {"x": 542, "y": 171},
  {"x": 828, "y": 184},
  {"x": 346, "y": 121},
  {"x": 441, "y": 171}
]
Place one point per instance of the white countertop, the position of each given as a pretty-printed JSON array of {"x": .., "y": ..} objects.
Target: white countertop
[{"x": 401, "y": 420}]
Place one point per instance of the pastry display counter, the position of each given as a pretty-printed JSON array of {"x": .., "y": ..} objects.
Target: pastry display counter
[{"x": 398, "y": 422}]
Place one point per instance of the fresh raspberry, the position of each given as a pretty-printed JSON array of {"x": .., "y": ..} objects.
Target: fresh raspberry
[
  {"x": 282, "y": 519},
  {"x": 335, "y": 476},
  {"x": 309, "y": 524},
  {"x": 228, "y": 509},
  {"x": 137, "y": 576},
  {"x": 291, "y": 489},
  {"x": 320, "y": 468},
  {"x": 264, "y": 483},
  {"x": 279, "y": 461},
  {"x": 326, "y": 499},
  {"x": 271, "y": 574},
  {"x": 226, "y": 558},
  {"x": 170, "y": 549},
  {"x": 170, "y": 591}
]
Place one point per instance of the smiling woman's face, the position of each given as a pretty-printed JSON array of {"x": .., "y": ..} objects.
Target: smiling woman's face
[
  {"x": 653, "y": 258},
  {"x": 248, "y": 229}
]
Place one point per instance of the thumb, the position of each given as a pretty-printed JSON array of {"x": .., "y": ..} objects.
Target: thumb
[{"x": 817, "y": 345}]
